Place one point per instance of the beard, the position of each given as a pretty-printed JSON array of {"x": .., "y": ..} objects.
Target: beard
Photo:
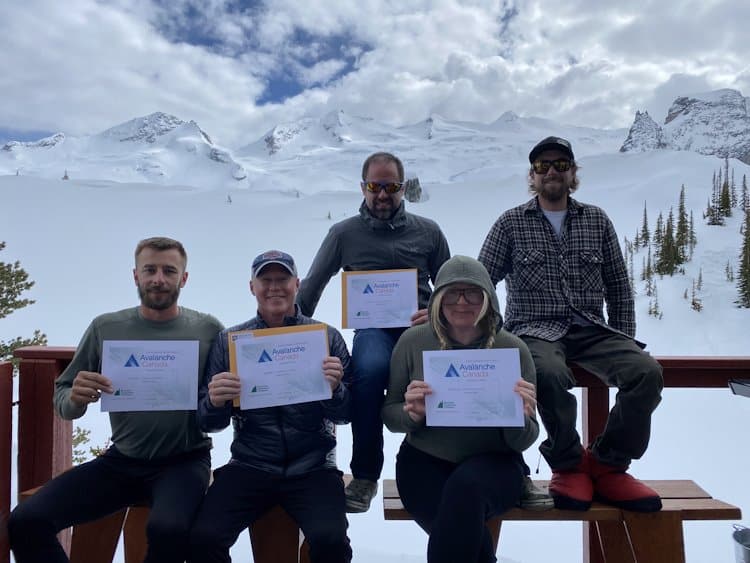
[
  {"x": 383, "y": 210},
  {"x": 554, "y": 190},
  {"x": 158, "y": 299}
]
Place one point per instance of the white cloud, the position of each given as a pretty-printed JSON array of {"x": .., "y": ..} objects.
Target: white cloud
[{"x": 88, "y": 65}]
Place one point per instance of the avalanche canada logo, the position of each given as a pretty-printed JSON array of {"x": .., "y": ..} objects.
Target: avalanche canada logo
[
  {"x": 132, "y": 362},
  {"x": 264, "y": 357},
  {"x": 452, "y": 372},
  {"x": 368, "y": 289}
]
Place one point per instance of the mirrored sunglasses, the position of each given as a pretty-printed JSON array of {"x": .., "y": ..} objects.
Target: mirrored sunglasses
[
  {"x": 389, "y": 187},
  {"x": 561, "y": 165},
  {"x": 472, "y": 295}
]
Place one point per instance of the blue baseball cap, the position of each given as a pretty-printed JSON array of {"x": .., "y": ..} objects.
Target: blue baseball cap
[{"x": 273, "y": 257}]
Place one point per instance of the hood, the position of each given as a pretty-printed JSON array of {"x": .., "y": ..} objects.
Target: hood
[{"x": 463, "y": 269}]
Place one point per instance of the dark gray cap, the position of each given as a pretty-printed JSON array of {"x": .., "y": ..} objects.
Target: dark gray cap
[{"x": 551, "y": 143}]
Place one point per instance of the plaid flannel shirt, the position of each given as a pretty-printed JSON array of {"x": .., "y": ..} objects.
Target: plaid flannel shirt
[{"x": 549, "y": 277}]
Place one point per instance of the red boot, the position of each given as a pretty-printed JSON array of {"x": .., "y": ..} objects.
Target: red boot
[
  {"x": 572, "y": 489},
  {"x": 612, "y": 485}
]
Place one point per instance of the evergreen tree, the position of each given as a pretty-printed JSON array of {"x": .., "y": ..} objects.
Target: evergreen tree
[
  {"x": 699, "y": 284},
  {"x": 713, "y": 215},
  {"x": 658, "y": 239},
  {"x": 695, "y": 302},
  {"x": 682, "y": 232},
  {"x": 729, "y": 272},
  {"x": 725, "y": 198},
  {"x": 14, "y": 281},
  {"x": 692, "y": 239},
  {"x": 743, "y": 269},
  {"x": 732, "y": 190},
  {"x": 649, "y": 275},
  {"x": 653, "y": 305},
  {"x": 667, "y": 262},
  {"x": 744, "y": 198},
  {"x": 645, "y": 234}
]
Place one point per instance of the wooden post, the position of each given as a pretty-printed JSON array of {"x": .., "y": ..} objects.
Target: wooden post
[
  {"x": 595, "y": 410},
  {"x": 6, "y": 433},
  {"x": 45, "y": 441}
]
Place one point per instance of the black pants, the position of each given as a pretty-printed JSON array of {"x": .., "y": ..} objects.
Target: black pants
[
  {"x": 451, "y": 502},
  {"x": 174, "y": 488},
  {"x": 240, "y": 494},
  {"x": 616, "y": 360}
]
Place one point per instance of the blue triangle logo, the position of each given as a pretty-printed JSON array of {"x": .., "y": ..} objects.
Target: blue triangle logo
[
  {"x": 132, "y": 362},
  {"x": 452, "y": 372},
  {"x": 368, "y": 289},
  {"x": 264, "y": 357}
]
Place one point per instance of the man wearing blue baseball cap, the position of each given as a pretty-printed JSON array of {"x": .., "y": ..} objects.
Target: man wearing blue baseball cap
[
  {"x": 561, "y": 262},
  {"x": 282, "y": 454}
]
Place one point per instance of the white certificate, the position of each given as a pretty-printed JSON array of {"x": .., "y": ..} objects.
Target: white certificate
[
  {"x": 378, "y": 299},
  {"x": 150, "y": 375},
  {"x": 280, "y": 366},
  {"x": 473, "y": 387}
]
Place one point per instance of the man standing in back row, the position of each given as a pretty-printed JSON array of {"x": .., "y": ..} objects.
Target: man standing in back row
[
  {"x": 383, "y": 236},
  {"x": 561, "y": 261}
]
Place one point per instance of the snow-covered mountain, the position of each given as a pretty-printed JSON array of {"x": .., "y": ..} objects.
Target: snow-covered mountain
[
  {"x": 158, "y": 148},
  {"x": 437, "y": 150},
  {"x": 291, "y": 198},
  {"x": 713, "y": 123},
  {"x": 164, "y": 149}
]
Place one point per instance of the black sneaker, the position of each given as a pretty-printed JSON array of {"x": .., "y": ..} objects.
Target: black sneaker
[{"x": 533, "y": 497}]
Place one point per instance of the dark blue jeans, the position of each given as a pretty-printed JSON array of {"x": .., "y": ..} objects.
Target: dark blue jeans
[
  {"x": 240, "y": 494},
  {"x": 452, "y": 501},
  {"x": 173, "y": 487},
  {"x": 371, "y": 361}
]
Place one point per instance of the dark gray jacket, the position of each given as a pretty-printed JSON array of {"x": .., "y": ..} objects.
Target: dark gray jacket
[
  {"x": 287, "y": 440},
  {"x": 367, "y": 243}
]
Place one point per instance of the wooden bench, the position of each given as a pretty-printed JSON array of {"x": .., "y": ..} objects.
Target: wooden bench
[
  {"x": 275, "y": 537},
  {"x": 44, "y": 440},
  {"x": 623, "y": 536}
]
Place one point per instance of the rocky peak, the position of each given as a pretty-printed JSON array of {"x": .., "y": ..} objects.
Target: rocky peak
[
  {"x": 725, "y": 100},
  {"x": 644, "y": 135},
  {"x": 47, "y": 142},
  {"x": 712, "y": 123},
  {"x": 147, "y": 129},
  {"x": 282, "y": 134}
]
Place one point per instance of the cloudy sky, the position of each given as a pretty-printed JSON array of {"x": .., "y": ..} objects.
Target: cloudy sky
[{"x": 240, "y": 67}]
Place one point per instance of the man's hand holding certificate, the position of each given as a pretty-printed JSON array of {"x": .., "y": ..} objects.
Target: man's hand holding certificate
[
  {"x": 473, "y": 387},
  {"x": 378, "y": 299},
  {"x": 150, "y": 375},
  {"x": 281, "y": 366}
]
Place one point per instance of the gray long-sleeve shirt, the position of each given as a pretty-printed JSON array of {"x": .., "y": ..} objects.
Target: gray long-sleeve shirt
[
  {"x": 143, "y": 434},
  {"x": 367, "y": 243}
]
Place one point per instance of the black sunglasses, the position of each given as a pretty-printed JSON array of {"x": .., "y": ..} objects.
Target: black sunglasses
[
  {"x": 389, "y": 187},
  {"x": 560, "y": 164},
  {"x": 472, "y": 295}
]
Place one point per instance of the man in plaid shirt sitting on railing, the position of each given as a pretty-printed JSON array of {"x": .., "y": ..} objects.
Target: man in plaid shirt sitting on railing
[{"x": 561, "y": 261}]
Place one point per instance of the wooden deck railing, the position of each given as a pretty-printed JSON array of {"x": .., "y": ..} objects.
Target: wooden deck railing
[
  {"x": 44, "y": 440},
  {"x": 6, "y": 438}
]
